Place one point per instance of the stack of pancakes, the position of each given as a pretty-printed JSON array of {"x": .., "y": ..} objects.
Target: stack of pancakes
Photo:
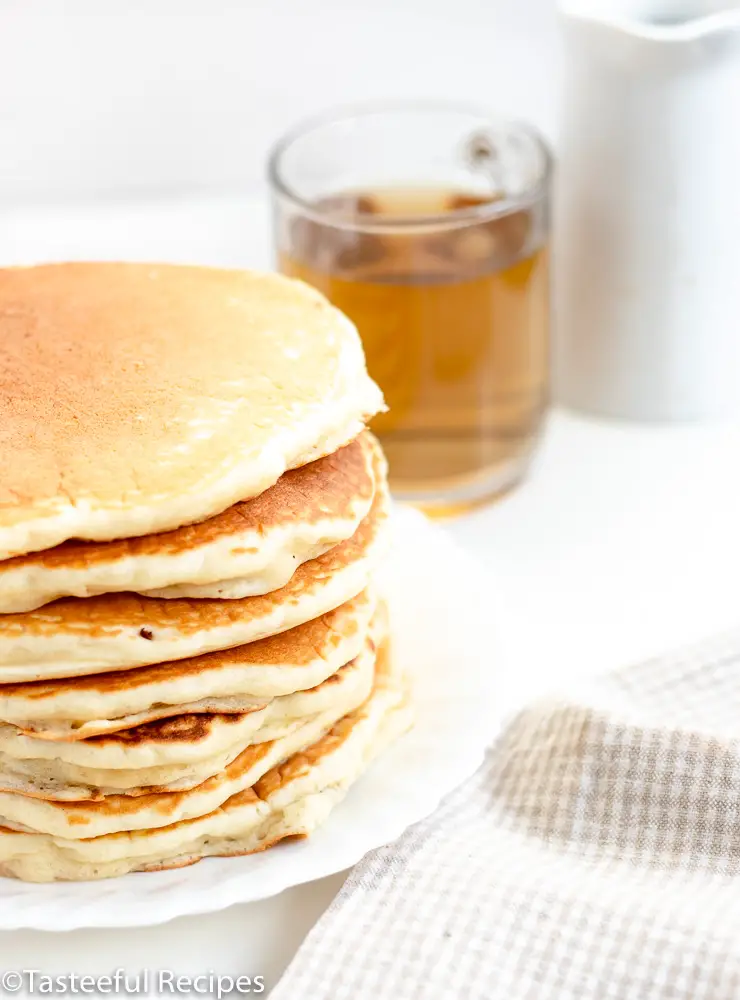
[{"x": 193, "y": 657}]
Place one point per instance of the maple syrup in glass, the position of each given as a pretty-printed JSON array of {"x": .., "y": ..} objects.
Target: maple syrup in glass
[{"x": 444, "y": 273}]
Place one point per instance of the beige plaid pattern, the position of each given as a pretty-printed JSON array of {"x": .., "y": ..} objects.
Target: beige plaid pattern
[{"x": 594, "y": 856}]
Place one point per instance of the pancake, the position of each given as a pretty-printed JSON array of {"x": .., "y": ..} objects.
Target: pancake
[
  {"x": 184, "y": 739},
  {"x": 119, "y": 813},
  {"x": 226, "y": 681},
  {"x": 290, "y": 800},
  {"x": 256, "y": 544},
  {"x": 136, "y": 398},
  {"x": 74, "y": 637},
  {"x": 115, "y": 813},
  {"x": 176, "y": 757}
]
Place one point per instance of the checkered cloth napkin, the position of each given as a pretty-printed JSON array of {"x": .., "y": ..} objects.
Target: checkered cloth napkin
[{"x": 595, "y": 855}]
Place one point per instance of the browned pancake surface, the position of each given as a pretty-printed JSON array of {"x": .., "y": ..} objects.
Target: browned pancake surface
[
  {"x": 291, "y": 769},
  {"x": 109, "y": 614},
  {"x": 296, "y": 647},
  {"x": 322, "y": 489}
]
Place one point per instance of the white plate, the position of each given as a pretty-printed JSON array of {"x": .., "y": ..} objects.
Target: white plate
[{"x": 442, "y": 607}]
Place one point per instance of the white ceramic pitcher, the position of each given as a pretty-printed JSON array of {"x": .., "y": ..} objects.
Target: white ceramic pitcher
[{"x": 647, "y": 210}]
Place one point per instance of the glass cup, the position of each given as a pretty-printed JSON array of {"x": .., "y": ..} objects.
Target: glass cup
[{"x": 427, "y": 224}]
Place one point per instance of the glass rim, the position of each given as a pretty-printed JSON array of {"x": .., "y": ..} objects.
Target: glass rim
[{"x": 489, "y": 210}]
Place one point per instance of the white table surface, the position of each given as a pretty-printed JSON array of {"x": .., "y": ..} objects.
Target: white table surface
[{"x": 624, "y": 542}]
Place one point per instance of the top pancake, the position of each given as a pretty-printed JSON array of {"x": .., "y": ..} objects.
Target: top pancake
[
  {"x": 137, "y": 398},
  {"x": 260, "y": 541}
]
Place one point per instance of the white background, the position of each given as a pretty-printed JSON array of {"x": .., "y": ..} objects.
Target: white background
[{"x": 114, "y": 96}]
